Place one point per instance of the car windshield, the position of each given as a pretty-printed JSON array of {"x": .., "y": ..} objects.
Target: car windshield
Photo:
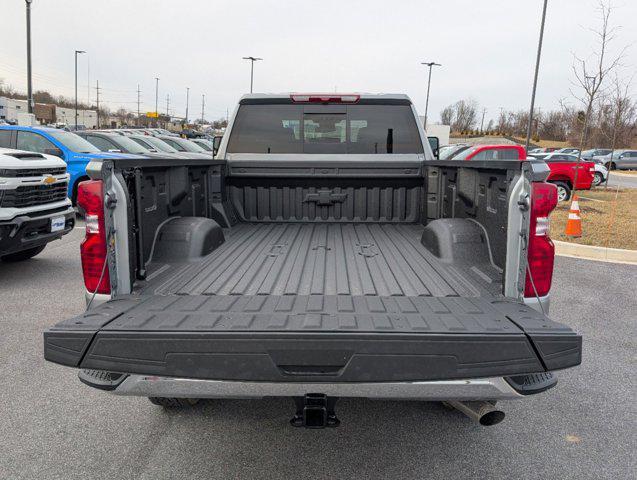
[
  {"x": 465, "y": 153},
  {"x": 160, "y": 145},
  {"x": 451, "y": 152},
  {"x": 129, "y": 145},
  {"x": 144, "y": 143},
  {"x": 184, "y": 145},
  {"x": 324, "y": 129},
  {"x": 73, "y": 142},
  {"x": 205, "y": 144}
]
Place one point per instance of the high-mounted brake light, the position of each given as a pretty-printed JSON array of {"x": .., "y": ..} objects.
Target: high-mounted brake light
[
  {"x": 324, "y": 98},
  {"x": 90, "y": 198},
  {"x": 541, "y": 251}
]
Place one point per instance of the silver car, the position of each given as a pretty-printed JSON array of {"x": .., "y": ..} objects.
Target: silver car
[{"x": 621, "y": 160}]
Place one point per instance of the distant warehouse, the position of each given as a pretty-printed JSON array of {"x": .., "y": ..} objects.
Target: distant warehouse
[{"x": 46, "y": 113}]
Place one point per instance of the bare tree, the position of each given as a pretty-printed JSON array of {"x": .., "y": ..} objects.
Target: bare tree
[
  {"x": 447, "y": 115},
  {"x": 462, "y": 115},
  {"x": 590, "y": 75},
  {"x": 623, "y": 117}
]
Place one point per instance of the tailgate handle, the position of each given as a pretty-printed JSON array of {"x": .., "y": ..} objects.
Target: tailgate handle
[
  {"x": 325, "y": 197},
  {"x": 311, "y": 370}
]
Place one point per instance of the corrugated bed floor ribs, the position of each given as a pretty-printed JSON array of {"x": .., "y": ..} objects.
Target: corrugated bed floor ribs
[{"x": 318, "y": 259}]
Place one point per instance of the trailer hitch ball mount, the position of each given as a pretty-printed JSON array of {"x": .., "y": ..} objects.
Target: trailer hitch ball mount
[{"x": 315, "y": 410}]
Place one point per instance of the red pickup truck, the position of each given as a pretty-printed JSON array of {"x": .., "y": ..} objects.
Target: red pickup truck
[{"x": 562, "y": 166}]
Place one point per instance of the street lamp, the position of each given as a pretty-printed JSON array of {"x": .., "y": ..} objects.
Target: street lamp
[
  {"x": 29, "y": 84},
  {"x": 76, "y": 54},
  {"x": 252, "y": 60},
  {"x": 156, "y": 96},
  {"x": 537, "y": 68},
  {"x": 430, "y": 65},
  {"x": 187, "y": 102}
]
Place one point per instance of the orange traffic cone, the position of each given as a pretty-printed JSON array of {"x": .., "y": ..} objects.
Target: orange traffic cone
[{"x": 574, "y": 223}]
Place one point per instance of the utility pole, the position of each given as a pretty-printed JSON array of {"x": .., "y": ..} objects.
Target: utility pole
[
  {"x": 187, "y": 102},
  {"x": 203, "y": 103},
  {"x": 252, "y": 60},
  {"x": 430, "y": 65},
  {"x": 76, "y": 53},
  {"x": 537, "y": 69},
  {"x": 29, "y": 84},
  {"x": 97, "y": 101},
  {"x": 167, "y": 105},
  {"x": 156, "y": 95},
  {"x": 138, "y": 116},
  {"x": 484, "y": 110}
]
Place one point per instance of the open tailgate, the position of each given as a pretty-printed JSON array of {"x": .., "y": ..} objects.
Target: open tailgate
[{"x": 317, "y": 338}]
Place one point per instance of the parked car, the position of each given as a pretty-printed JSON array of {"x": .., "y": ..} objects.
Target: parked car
[
  {"x": 621, "y": 160},
  {"x": 543, "y": 150},
  {"x": 183, "y": 145},
  {"x": 449, "y": 151},
  {"x": 568, "y": 150},
  {"x": 595, "y": 152},
  {"x": 34, "y": 207},
  {"x": 204, "y": 143},
  {"x": 70, "y": 147},
  {"x": 492, "y": 152},
  {"x": 110, "y": 142},
  {"x": 158, "y": 145},
  {"x": 359, "y": 267},
  {"x": 601, "y": 172},
  {"x": 562, "y": 173}
]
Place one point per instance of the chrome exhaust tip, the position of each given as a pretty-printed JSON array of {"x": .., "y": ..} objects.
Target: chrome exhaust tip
[{"x": 485, "y": 413}]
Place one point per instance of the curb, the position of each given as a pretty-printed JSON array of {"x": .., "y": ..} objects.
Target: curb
[{"x": 590, "y": 252}]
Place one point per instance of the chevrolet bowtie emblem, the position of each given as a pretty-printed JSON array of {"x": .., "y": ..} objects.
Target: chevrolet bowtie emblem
[{"x": 48, "y": 180}]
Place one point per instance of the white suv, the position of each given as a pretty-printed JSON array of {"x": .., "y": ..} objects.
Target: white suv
[{"x": 34, "y": 207}]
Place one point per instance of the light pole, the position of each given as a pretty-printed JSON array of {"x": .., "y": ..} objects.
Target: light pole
[
  {"x": 430, "y": 65},
  {"x": 29, "y": 84},
  {"x": 156, "y": 96},
  {"x": 252, "y": 60},
  {"x": 187, "y": 102},
  {"x": 76, "y": 54},
  {"x": 537, "y": 69}
]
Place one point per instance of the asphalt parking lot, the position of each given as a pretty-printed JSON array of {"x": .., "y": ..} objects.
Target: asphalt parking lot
[
  {"x": 622, "y": 180},
  {"x": 55, "y": 427}
]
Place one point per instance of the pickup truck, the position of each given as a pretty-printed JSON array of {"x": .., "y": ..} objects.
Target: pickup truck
[
  {"x": 562, "y": 168},
  {"x": 34, "y": 209},
  {"x": 323, "y": 253},
  {"x": 75, "y": 151}
]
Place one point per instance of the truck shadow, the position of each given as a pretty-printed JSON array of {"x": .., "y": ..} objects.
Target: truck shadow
[{"x": 253, "y": 439}]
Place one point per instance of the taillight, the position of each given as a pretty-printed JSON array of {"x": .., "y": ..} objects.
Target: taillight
[
  {"x": 324, "y": 98},
  {"x": 90, "y": 198},
  {"x": 541, "y": 251}
]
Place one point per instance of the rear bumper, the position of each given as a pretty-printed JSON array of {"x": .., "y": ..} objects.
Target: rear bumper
[
  {"x": 496, "y": 388},
  {"x": 29, "y": 231}
]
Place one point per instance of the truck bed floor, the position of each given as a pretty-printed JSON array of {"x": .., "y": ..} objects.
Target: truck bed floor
[{"x": 323, "y": 259}]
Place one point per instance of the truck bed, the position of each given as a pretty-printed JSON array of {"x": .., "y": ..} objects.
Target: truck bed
[
  {"x": 319, "y": 302},
  {"x": 323, "y": 259}
]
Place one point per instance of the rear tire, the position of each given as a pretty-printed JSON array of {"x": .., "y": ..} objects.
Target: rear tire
[
  {"x": 23, "y": 255},
  {"x": 597, "y": 179},
  {"x": 563, "y": 191},
  {"x": 173, "y": 403}
]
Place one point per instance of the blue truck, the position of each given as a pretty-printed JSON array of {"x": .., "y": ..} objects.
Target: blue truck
[{"x": 73, "y": 149}]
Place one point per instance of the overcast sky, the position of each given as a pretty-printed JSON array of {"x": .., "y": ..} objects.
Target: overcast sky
[{"x": 487, "y": 49}]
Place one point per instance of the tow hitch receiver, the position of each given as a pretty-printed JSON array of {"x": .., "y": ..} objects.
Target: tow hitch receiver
[{"x": 315, "y": 410}]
